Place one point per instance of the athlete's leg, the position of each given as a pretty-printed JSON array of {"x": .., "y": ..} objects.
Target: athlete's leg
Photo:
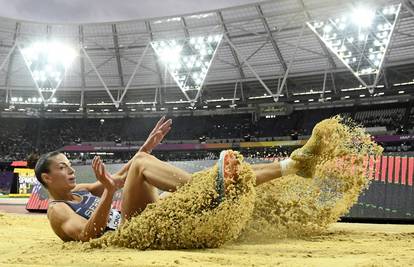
[
  {"x": 266, "y": 171},
  {"x": 146, "y": 174}
]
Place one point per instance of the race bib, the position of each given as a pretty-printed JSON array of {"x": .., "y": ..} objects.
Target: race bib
[{"x": 114, "y": 219}]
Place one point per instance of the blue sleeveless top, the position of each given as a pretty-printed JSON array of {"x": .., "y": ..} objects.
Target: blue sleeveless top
[{"x": 87, "y": 206}]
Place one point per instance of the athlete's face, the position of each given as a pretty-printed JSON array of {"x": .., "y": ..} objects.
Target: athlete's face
[{"x": 61, "y": 174}]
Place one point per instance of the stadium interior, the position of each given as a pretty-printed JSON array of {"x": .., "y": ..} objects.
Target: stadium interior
[{"x": 255, "y": 78}]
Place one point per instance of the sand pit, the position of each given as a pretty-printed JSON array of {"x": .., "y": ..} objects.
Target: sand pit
[{"x": 28, "y": 240}]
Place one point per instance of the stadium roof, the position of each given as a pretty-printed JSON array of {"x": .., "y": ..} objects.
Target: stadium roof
[
  {"x": 261, "y": 40},
  {"x": 93, "y": 11}
]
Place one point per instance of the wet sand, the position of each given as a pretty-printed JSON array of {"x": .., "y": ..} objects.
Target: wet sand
[{"x": 28, "y": 240}]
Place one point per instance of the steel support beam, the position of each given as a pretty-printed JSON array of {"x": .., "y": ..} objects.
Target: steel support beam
[
  {"x": 110, "y": 52},
  {"x": 8, "y": 56},
  {"x": 115, "y": 102},
  {"x": 118, "y": 54},
  {"x": 11, "y": 62},
  {"x": 385, "y": 78},
  {"x": 271, "y": 37},
  {"x": 157, "y": 65},
  {"x": 135, "y": 71},
  {"x": 324, "y": 85},
  {"x": 255, "y": 51},
  {"x": 193, "y": 101},
  {"x": 323, "y": 46},
  {"x": 279, "y": 90},
  {"x": 374, "y": 85},
  {"x": 409, "y": 6},
  {"x": 100, "y": 65},
  {"x": 232, "y": 50},
  {"x": 186, "y": 33},
  {"x": 333, "y": 82},
  {"x": 234, "y": 93},
  {"x": 82, "y": 67},
  {"x": 31, "y": 74},
  {"x": 250, "y": 67}
]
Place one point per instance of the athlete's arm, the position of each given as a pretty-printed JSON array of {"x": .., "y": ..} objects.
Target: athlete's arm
[{"x": 69, "y": 226}]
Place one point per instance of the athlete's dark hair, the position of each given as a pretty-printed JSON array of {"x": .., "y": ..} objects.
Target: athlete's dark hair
[{"x": 41, "y": 164}]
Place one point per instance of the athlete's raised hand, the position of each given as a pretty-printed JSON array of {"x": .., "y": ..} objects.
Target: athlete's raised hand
[
  {"x": 102, "y": 175},
  {"x": 157, "y": 134}
]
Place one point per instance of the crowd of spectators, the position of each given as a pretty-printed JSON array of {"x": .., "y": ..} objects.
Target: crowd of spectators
[
  {"x": 410, "y": 120},
  {"x": 19, "y": 137},
  {"x": 391, "y": 118}
]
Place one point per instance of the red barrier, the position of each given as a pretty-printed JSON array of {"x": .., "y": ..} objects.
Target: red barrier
[
  {"x": 390, "y": 168},
  {"x": 403, "y": 170},
  {"x": 383, "y": 168},
  {"x": 371, "y": 167},
  {"x": 410, "y": 171},
  {"x": 44, "y": 205},
  {"x": 397, "y": 170},
  {"x": 377, "y": 168},
  {"x": 35, "y": 201},
  {"x": 365, "y": 165}
]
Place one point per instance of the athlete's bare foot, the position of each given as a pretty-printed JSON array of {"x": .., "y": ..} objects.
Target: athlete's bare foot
[{"x": 231, "y": 168}]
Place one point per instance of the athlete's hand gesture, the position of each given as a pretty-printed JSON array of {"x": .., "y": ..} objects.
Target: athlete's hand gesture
[
  {"x": 158, "y": 133},
  {"x": 102, "y": 175}
]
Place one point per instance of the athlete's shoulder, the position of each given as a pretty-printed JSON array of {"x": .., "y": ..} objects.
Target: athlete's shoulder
[{"x": 57, "y": 210}]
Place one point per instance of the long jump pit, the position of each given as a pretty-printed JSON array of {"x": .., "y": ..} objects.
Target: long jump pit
[
  {"x": 27, "y": 240},
  {"x": 290, "y": 221}
]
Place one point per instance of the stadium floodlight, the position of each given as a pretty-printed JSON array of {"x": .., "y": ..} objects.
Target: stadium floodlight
[
  {"x": 48, "y": 62},
  {"x": 188, "y": 60},
  {"x": 361, "y": 17},
  {"x": 360, "y": 39}
]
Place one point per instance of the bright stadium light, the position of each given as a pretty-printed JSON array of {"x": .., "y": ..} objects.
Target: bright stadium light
[
  {"x": 360, "y": 39},
  {"x": 48, "y": 62},
  {"x": 188, "y": 60},
  {"x": 362, "y": 16}
]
